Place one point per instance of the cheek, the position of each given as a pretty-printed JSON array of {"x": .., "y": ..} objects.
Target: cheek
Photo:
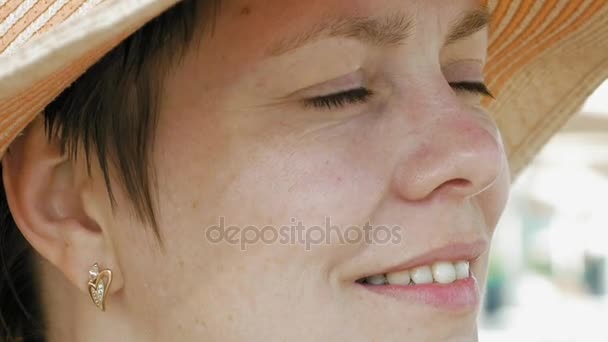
[
  {"x": 493, "y": 201},
  {"x": 255, "y": 183}
]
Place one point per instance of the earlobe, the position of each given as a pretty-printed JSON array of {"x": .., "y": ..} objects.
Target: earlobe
[{"x": 44, "y": 192}]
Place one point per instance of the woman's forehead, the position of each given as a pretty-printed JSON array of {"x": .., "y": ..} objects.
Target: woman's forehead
[
  {"x": 247, "y": 32},
  {"x": 282, "y": 24}
]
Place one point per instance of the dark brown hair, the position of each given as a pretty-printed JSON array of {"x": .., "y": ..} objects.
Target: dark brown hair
[{"x": 110, "y": 113}]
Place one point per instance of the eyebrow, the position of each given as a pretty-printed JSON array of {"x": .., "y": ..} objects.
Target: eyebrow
[
  {"x": 387, "y": 31},
  {"x": 469, "y": 24},
  {"x": 390, "y": 30}
]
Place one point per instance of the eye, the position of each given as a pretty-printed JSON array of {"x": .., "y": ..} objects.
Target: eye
[
  {"x": 339, "y": 100},
  {"x": 478, "y": 88}
]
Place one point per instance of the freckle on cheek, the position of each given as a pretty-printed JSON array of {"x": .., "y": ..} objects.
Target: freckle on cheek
[
  {"x": 201, "y": 322},
  {"x": 246, "y": 10}
]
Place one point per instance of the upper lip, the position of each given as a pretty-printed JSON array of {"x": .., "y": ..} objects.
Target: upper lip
[{"x": 461, "y": 251}]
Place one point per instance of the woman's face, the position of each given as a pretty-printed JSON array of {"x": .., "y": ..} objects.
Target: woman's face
[{"x": 340, "y": 119}]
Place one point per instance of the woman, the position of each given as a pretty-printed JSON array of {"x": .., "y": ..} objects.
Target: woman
[{"x": 270, "y": 170}]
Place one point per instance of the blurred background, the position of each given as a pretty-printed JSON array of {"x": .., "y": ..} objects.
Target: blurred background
[{"x": 548, "y": 278}]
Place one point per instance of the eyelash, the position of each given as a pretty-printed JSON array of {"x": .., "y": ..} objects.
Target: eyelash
[
  {"x": 339, "y": 100},
  {"x": 478, "y": 88},
  {"x": 362, "y": 95}
]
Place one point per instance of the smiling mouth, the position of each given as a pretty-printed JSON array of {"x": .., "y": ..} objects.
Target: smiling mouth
[
  {"x": 442, "y": 279},
  {"x": 442, "y": 272}
]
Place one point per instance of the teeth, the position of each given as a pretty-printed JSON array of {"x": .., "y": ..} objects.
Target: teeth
[
  {"x": 378, "y": 279},
  {"x": 462, "y": 269},
  {"x": 442, "y": 272},
  {"x": 398, "y": 278},
  {"x": 422, "y": 275}
]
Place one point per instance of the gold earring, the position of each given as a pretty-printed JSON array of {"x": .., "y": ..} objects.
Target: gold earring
[{"x": 99, "y": 283}]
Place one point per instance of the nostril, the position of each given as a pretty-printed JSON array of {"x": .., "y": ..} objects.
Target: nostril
[{"x": 455, "y": 184}]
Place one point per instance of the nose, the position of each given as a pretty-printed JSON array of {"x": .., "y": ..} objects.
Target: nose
[{"x": 455, "y": 151}]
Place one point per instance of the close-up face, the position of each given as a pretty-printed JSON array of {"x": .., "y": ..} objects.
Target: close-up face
[
  {"x": 323, "y": 171},
  {"x": 363, "y": 112},
  {"x": 285, "y": 170}
]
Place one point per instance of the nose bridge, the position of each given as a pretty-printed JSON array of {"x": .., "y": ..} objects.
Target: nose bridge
[{"x": 451, "y": 148}]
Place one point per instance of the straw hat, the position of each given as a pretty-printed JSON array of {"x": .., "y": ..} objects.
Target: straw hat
[{"x": 545, "y": 58}]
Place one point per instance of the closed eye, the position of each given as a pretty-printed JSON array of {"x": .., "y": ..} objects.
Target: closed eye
[
  {"x": 362, "y": 95},
  {"x": 478, "y": 88},
  {"x": 339, "y": 100}
]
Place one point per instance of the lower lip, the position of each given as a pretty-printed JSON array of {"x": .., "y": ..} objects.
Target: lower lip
[{"x": 461, "y": 295}]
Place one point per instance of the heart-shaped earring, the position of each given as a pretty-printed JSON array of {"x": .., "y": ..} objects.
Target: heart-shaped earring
[{"x": 99, "y": 283}]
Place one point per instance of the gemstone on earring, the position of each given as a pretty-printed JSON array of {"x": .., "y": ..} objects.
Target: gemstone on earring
[{"x": 94, "y": 272}]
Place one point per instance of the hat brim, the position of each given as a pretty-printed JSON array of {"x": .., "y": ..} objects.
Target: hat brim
[{"x": 545, "y": 59}]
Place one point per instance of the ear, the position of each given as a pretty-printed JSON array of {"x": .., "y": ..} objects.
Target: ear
[{"x": 46, "y": 194}]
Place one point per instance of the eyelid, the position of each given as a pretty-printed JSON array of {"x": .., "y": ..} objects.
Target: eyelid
[
  {"x": 468, "y": 69},
  {"x": 338, "y": 85}
]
